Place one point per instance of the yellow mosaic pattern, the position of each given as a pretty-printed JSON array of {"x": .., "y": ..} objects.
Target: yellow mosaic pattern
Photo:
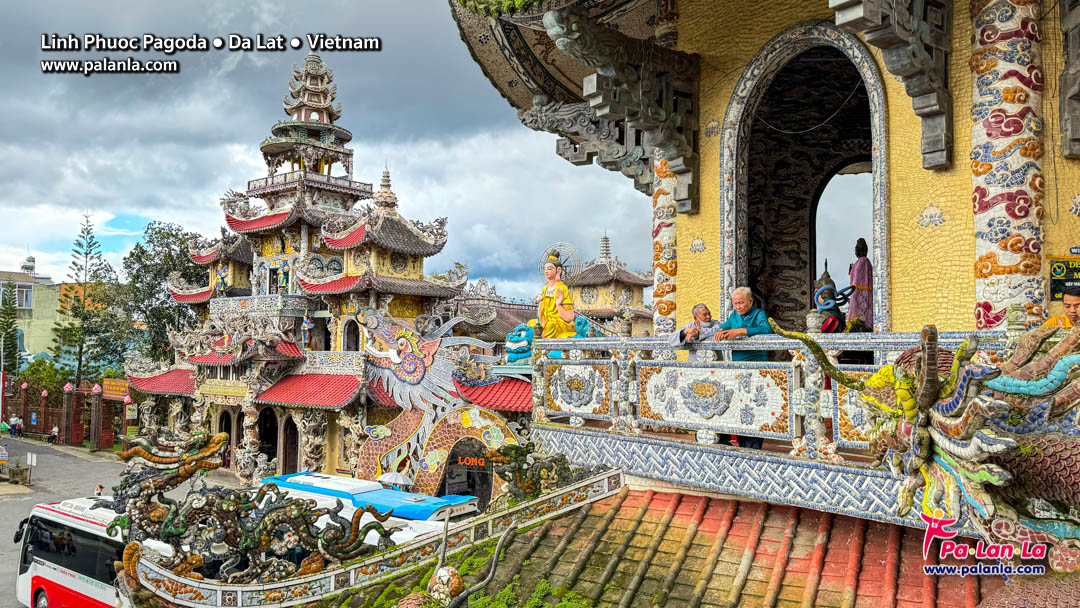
[
  {"x": 405, "y": 307},
  {"x": 939, "y": 287},
  {"x": 1061, "y": 227},
  {"x": 724, "y": 50},
  {"x": 383, "y": 262}
]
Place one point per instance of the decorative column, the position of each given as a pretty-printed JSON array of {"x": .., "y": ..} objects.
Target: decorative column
[
  {"x": 95, "y": 418},
  {"x": 1006, "y": 159},
  {"x": 249, "y": 446},
  {"x": 66, "y": 419},
  {"x": 665, "y": 264},
  {"x": 311, "y": 427},
  {"x": 24, "y": 403}
]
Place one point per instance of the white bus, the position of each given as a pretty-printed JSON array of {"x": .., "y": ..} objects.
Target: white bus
[{"x": 66, "y": 560}]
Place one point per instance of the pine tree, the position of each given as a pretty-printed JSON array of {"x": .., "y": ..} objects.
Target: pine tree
[
  {"x": 82, "y": 302},
  {"x": 9, "y": 328}
]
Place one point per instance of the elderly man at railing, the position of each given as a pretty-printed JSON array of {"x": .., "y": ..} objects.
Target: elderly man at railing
[{"x": 701, "y": 328}]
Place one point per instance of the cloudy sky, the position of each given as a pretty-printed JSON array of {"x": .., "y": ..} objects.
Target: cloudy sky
[{"x": 131, "y": 148}]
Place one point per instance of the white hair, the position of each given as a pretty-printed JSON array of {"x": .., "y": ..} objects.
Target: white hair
[
  {"x": 696, "y": 308},
  {"x": 745, "y": 292}
]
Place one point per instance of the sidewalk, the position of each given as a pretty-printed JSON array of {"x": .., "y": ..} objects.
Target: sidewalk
[
  {"x": 78, "y": 452},
  {"x": 220, "y": 477}
]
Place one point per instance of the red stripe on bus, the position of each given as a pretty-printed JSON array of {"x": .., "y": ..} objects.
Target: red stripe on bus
[
  {"x": 89, "y": 521},
  {"x": 60, "y": 595}
]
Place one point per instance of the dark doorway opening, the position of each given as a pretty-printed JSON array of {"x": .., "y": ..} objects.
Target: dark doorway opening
[
  {"x": 468, "y": 472},
  {"x": 292, "y": 448},
  {"x": 812, "y": 123},
  {"x": 352, "y": 336},
  {"x": 268, "y": 428},
  {"x": 225, "y": 426}
]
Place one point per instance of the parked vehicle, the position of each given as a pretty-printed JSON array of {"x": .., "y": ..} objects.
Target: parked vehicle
[
  {"x": 66, "y": 558},
  {"x": 356, "y": 493}
]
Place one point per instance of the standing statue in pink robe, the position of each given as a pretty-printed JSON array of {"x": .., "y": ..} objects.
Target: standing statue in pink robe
[{"x": 861, "y": 276}]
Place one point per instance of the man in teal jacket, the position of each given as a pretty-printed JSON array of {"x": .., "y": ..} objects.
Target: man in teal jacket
[{"x": 745, "y": 320}]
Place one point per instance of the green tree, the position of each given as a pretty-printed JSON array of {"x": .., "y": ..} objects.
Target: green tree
[
  {"x": 164, "y": 249},
  {"x": 9, "y": 329},
  {"x": 80, "y": 330},
  {"x": 43, "y": 374}
]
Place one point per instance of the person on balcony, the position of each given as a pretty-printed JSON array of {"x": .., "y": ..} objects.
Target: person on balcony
[
  {"x": 861, "y": 277},
  {"x": 1070, "y": 302},
  {"x": 744, "y": 321},
  {"x": 701, "y": 328}
]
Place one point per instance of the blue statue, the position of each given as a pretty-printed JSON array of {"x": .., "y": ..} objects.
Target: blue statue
[{"x": 519, "y": 343}]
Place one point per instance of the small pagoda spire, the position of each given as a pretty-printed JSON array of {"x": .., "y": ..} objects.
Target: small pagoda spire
[
  {"x": 605, "y": 248},
  {"x": 311, "y": 94},
  {"x": 385, "y": 197}
]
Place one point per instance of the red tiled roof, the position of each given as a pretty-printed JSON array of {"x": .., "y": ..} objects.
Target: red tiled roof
[
  {"x": 192, "y": 298},
  {"x": 508, "y": 395},
  {"x": 289, "y": 349},
  {"x": 206, "y": 258},
  {"x": 379, "y": 394},
  {"x": 415, "y": 287},
  {"x": 212, "y": 359},
  {"x": 647, "y": 548},
  {"x": 172, "y": 382},
  {"x": 339, "y": 285},
  {"x": 273, "y": 220},
  {"x": 313, "y": 390},
  {"x": 351, "y": 239}
]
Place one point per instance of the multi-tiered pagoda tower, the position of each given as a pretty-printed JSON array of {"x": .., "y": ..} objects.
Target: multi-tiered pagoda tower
[{"x": 278, "y": 361}]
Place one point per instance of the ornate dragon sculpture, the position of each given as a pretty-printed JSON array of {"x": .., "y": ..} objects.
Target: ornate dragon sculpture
[
  {"x": 235, "y": 536},
  {"x": 994, "y": 447}
]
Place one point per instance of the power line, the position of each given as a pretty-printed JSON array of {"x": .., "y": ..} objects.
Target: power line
[{"x": 820, "y": 124}]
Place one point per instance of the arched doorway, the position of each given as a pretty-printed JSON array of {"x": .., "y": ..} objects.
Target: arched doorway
[
  {"x": 291, "y": 451},
  {"x": 225, "y": 425},
  {"x": 351, "y": 335},
  {"x": 268, "y": 433},
  {"x": 468, "y": 472},
  {"x": 808, "y": 105}
]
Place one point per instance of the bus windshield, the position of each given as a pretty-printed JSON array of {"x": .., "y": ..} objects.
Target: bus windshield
[{"x": 65, "y": 547}]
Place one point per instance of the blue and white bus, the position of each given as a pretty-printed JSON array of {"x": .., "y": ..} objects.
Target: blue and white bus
[{"x": 356, "y": 493}]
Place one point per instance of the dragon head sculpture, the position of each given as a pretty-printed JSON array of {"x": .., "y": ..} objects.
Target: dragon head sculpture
[{"x": 997, "y": 447}]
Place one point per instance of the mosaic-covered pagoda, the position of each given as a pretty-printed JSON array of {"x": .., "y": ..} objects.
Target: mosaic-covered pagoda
[
  {"x": 605, "y": 292},
  {"x": 314, "y": 297},
  {"x": 731, "y": 121}
]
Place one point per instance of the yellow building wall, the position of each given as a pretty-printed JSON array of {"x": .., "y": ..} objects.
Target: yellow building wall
[
  {"x": 333, "y": 462},
  {"x": 1061, "y": 226},
  {"x": 406, "y": 307},
  {"x": 358, "y": 260},
  {"x": 414, "y": 267},
  {"x": 607, "y": 295},
  {"x": 932, "y": 267},
  {"x": 726, "y": 45}
]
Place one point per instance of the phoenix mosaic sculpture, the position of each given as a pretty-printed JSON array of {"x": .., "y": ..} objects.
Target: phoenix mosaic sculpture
[{"x": 996, "y": 447}]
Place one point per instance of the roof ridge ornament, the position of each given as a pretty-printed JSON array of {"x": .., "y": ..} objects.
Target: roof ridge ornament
[{"x": 385, "y": 197}]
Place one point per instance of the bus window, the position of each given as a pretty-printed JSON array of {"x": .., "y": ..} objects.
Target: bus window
[{"x": 82, "y": 552}]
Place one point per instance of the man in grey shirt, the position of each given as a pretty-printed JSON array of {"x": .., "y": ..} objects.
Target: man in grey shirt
[{"x": 701, "y": 328}]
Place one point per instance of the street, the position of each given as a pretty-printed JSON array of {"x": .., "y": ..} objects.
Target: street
[{"x": 60, "y": 473}]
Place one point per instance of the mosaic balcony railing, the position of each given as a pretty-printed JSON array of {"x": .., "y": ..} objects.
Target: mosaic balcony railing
[
  {"x": 637, "y": 404},
  {"x": 285, "y": 305},
  {"x": 273, "y": 182}
]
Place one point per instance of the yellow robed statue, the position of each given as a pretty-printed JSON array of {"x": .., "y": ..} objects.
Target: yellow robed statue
[{"x": 555, "y": 315}]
